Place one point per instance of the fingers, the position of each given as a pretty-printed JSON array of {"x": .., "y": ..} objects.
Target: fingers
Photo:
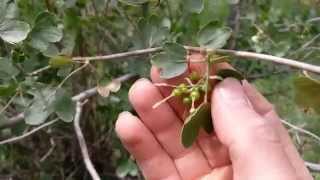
[
  {"x": 166, "y": 127},
  {"x": 154, "y": 162},
  {"x": 215, "y": 152},
  {"x": 254, "y": 146},
  {"x": 264, "y": 108},
  {"x": 219, "y": 173},
  {"x": 175, "y": 103}
]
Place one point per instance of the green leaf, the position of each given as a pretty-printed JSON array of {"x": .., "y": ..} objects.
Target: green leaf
[
  {"x": 51, "y": 51},
  {"x": 126, "y": 167},
  {"x": 194, "y": 6},
  {"x": 14, "y": 31},
  {"x": 7, "y": 89},
  {"x": 172, "y": 61},
  {"x": 45, "y": 32},
  {"x": 214, "y": 36},
  {"x": 64, "y": 106},
  {"x": 60, "y": 61},
  {"x": 4, "y": 4},
  {"x": 218, "y": 10},
  {"x": 37, "y": 113},
  {"x": 7, "y": 69},
  {"x": 307, "y": 93},
  {"x": 200, "y": 118},
  {"x": 134, "y": 2},
  {"x": 42, "y": 106},
  {"x": 152, "y": 32},
  {"x": 226, "y": 73},
  {"x": 206, "y": 123}
]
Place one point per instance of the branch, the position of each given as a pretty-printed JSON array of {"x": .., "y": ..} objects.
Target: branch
[
  {"x": 38, "y": 71},
  {"x": 120, "y": 55},
  {"x": 301, "y": 130},
  {"x": 15, "y": 139},
  {"x": 243, "y": 54},
  {"x": 268, "y": 58},
  {"x": 79, "y": 97},
  {"x": 313, "y": 166},
  {"x": 82, "y": 142}
]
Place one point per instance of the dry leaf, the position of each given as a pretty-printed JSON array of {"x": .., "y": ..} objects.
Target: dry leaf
[{"x": 113, "y": 86}]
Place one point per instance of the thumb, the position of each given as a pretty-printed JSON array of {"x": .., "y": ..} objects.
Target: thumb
[{"x": 255, "y": 148}]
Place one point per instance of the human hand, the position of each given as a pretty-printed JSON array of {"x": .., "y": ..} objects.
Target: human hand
[{"x": 249, "y": 141}]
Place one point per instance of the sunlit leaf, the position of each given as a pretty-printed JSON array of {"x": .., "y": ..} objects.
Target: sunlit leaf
[
  {"x": 214, "y": 35},
  {"x": 60, "y": 61},
  {"x": 172, "y": 62},
  {"x": 307, "y": 93},
  {"x": 14, "y": 31},
  {"x": 201, "y": 118}
]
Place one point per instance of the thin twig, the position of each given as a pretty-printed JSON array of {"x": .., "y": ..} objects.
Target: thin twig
[
  {"x": 243, "y": 54},
  {"x": 72, "y": 73},
  {"x": 15, "y": 139},
  {"x": 38, "y": 71},
  {"x": 8, "y": 103},
  {"x": 82, "y": 142},
  {"x": 120, "y": 55},
  {"x": 301, "y": 130},
  {"x": 313, "y": 166},
  {"x": 268, "y": 58},
  {"x": 315, "y": 19},
  {"x": 53, "y": 145}
]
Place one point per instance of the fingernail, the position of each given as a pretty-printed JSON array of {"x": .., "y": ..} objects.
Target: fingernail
[
  {"x": 124, "y": 114},
  {"x": 137, "y": 83},
  {"x": 231, "y": 91}
]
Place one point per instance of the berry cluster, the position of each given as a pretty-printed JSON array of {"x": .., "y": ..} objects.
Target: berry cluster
[{"x": 190, "y": 92}]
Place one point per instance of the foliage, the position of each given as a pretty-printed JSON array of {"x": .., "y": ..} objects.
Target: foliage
[{"x": 49, "y": 33}]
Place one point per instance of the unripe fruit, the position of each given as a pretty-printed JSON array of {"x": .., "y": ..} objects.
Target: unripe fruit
[
  {"x": 204, "y": 88},
  {"x": 183, "y": 88},
  {"x": 195, "y": 95},
  {"x": 194, "y": 76},
  {"x": 182, "y": 85},
  {"x": 197, "y": 88},
  {"x": 177, "y": 92},
  {"x": 187, "y": 100}
]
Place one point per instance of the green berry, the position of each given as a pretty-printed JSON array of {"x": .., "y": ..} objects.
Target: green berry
[
  {"x": 184, "y": 90},
  {"x": 177, "y": 92},
  {"x": 187, "y": 100},
  {"x": 204, "y": 88},
  {"x": 183, "y": 87},
  {"x": 195, "y": 95},
  {"x": 197, "y": 88},
  {"x": 194, "y": 76}
]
